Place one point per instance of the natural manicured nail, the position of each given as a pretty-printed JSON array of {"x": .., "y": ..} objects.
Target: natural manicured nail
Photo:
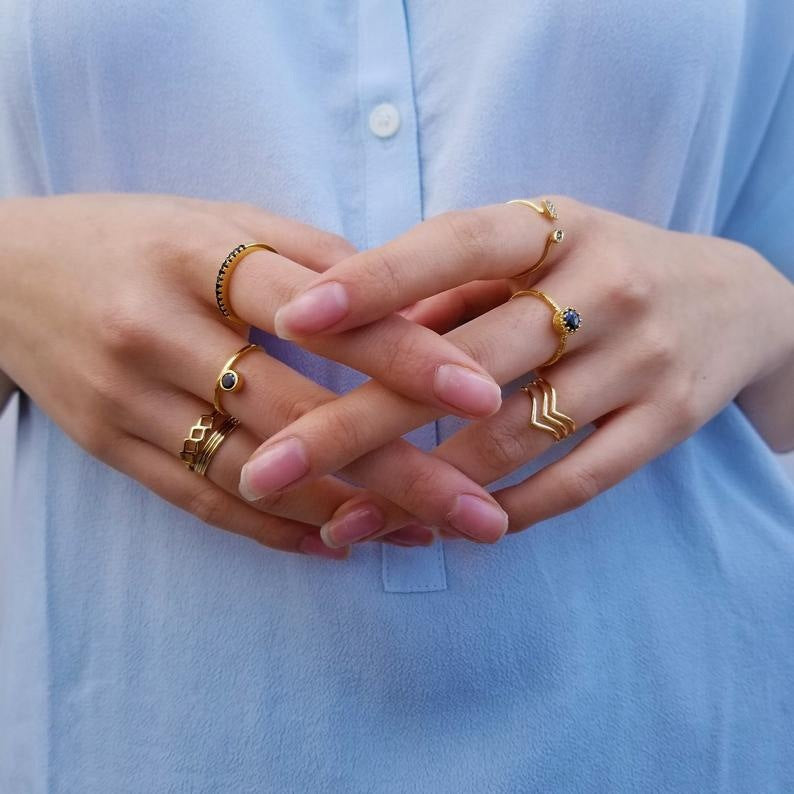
[
  {"x": 274, "y": 468},
  {"x": 313, "y": 544},
  {"x": 413, "y": 535},
  {"x": 356, "y": 525},
  {"x": 467, "y": 390},
  {"x": 478, "y": 519},
  {"x": 315, "y": 310}
]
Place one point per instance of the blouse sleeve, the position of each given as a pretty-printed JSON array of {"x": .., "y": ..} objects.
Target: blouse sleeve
[{"x": 761, "y": 213}]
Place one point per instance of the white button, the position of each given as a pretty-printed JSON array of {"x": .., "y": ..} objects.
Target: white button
[{"x": 384, "y": 120}]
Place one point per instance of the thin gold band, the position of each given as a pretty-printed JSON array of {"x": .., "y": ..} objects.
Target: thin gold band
[
  {"x": 548, "y": 210},
  {"x": 205, "y": 438},
  {"x": 222, "y": 281},
  {"x": 545, "y": 416},
  {"x": 214, "y": 442},
  {"x": 229, "y": 379},
  {"x": 565, "y": 321}
]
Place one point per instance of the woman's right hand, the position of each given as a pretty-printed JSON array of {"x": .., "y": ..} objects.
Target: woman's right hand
[{"x": 108, "y": 321}]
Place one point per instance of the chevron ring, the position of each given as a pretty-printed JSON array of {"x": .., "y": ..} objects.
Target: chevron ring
[{"x": 545, "y": 415}]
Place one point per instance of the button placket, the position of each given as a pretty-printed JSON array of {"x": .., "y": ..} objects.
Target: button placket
[{"x": 393, "y": 204}]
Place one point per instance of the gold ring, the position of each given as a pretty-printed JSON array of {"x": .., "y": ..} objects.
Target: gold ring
[
  {"x": 565, "y": 321},
  {"x": 236, "y": 255},
  {"x": 205, "y": 438},
  {"x": 229, "y": 379},
  {"x": 545, "y": 415},
  {"x": 546, "y": 209}
]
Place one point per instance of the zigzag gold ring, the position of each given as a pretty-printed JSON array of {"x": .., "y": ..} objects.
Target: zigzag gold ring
[
  {"x": 233, "y": 258},
  {"x": 205, "y": 438},
  {"x": 545, "y": 209},
  {"x": 545, "y": 415}
]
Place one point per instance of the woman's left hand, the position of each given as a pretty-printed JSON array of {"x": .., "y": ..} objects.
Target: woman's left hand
[{"x": 673, "y": 327}]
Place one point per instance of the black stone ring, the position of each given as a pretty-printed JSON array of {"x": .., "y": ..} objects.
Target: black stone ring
[{"x": 230, "y": 379}]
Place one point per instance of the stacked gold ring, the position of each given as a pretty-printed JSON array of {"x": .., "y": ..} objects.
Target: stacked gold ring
[
  {"x": 548, "y": 210},
  {"x": 545, "y": 415},
  {"x": 565, "y": 321},
  {"x": 234, "y": 257},
  {"x": 205, "y": 439}
]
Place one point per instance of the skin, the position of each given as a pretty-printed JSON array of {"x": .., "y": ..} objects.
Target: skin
[
  {"x": 111, "y": 327},
  {"x": 675, "y": 326}
]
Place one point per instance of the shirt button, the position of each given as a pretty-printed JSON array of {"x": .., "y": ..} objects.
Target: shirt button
[{"x": 384, "y": 121}]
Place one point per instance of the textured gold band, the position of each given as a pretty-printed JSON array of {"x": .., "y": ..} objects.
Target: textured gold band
[
  {"x": 230, "y": 424},
  {"x": 235, "y": 256},
  {"x": 229, "y": 379},
  {"x": 205, "y": 438},
  {"x": 545, "y": 415},
  {"x": 565, "y": 321},
  {"x": 548, "y": 210}
]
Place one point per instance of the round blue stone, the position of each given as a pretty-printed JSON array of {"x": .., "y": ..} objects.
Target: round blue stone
[
  {"x": 571, "y": 320},
  {"x": 229, "y": 380}
]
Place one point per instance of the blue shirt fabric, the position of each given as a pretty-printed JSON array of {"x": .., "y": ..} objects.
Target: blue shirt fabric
[{"x": 644, "y": 642}]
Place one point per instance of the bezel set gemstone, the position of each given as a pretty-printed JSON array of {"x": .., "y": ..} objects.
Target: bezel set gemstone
[{"x": 229, "y": 380}]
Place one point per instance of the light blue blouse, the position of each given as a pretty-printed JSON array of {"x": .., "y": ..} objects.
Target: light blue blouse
[{"x": 643, "y": 643}]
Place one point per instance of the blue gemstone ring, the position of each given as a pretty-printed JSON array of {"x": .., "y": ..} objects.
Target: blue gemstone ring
[
  {"x": 229, "y": 378},
  {"x": 566, "y": 321}
]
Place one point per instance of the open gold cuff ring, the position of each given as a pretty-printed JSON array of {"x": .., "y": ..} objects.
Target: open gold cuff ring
[
  {"x": 235, "y": 256},
  {"x": 205, "y": 438},
  {"x": 229, "y": 378},
  {"x": 545, "y": 415},
  {"x": 566, "y": 321},
  {"x": 545, "y": 209}
]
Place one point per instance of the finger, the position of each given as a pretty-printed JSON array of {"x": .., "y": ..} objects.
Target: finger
[
  {"x": 169, "y": 425},
  {"x": 447, "y": 310},
  {"x": 405, "y": 357},
  {"x": 314, "y": 248},
  {"x": 621, "y": 445},
  {"x": 585, "y": 389},
  {"x": 510, "y": 340},
  {"x": 167, "y": 476},
  {"x": 494, "y": 242}
]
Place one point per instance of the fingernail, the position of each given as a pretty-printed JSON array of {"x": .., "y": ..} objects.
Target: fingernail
[
  {"x": 413, "y": 535},
  {"x": 315, "y": 310},
  {"x": 478, "y": 519},
  {"x": 406, "y": 311},
  {"x": 274, "y": 468},
  {"x": 313, "y": 544},
  {"x": 360, "y": 522},
  {"x": 466, "y": 390}
]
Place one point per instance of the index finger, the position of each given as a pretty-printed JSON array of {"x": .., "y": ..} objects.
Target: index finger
[{"x": 493, "y": 242}]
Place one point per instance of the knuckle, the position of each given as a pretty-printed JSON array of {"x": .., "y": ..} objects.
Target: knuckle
[
  {"x": 498, "y": 446},
  {"x": 482, "y": 349},
  {"x": 678, "y": 406},
  {"x": 332, "y": 248},
  {"x": 417, "y": 485},
  {"x": 471, "y": 231},
  {"x": 298, "y": 408},
  {"x": 657, "y": 352},
  {"x": 629, "y": 289},
  {"x": 208, "y": 505},
  {"x": 579, "y": 485},
  {"x": 342, "y": 431},
  {"x": 127, "y": 327},
  {"x": 382, "y": 270}
]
